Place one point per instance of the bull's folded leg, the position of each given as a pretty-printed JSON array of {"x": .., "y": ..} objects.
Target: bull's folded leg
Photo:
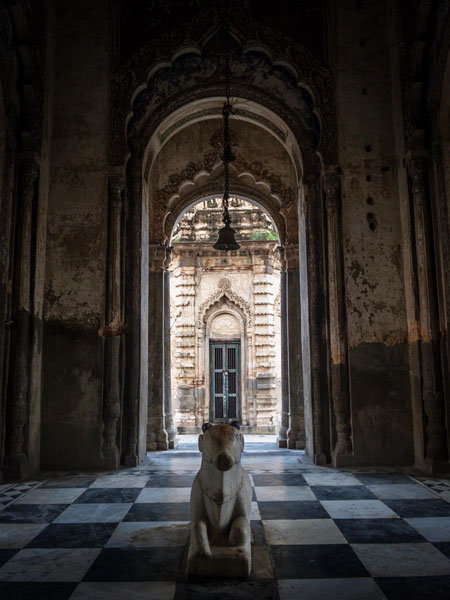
[
  {"x": 239, "y": 532},
  {"x": 200, "y": 542}
]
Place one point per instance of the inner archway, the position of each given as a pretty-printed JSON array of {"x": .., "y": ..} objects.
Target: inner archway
[{"x": 225, "y": 320}]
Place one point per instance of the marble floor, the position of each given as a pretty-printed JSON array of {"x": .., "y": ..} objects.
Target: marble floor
[{"x": 317, "y": 533}]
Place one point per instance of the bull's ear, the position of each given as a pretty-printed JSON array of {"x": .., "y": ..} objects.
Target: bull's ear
[
  {"x": 206, "y": 426},
  {"x": 235, "y": 424}
]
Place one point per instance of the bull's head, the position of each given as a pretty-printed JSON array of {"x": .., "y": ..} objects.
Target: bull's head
[{"x": 221, "y": 444}]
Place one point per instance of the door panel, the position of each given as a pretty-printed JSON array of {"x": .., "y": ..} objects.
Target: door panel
[{"x": 225, "y": 388}]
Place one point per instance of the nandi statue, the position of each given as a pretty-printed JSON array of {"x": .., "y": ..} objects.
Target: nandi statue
[{"x": 221, "y": 496}]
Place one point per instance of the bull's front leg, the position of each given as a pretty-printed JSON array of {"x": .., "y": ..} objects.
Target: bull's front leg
[
  {"x": 239, "y": 532},
  {"x": 199, "y": 533}
]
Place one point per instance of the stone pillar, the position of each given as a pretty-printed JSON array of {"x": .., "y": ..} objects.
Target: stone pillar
[
  {"x": 282, "y": 436},
  {"x": 168, "y": 415},
  {"x": 296, "y": 431},
  {"x": 157, "y": 438},
  {"x": 338, "y": 327},
  {"x": 17, "y": 407},
  {"x": 133, "y": 290},
  {"x": 432, "y": 398},
  {"x": 111, "y": 332},
  {"x": 314, "y": 324}
]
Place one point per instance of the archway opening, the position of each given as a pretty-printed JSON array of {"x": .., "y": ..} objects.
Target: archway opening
[{"x": 225, "y": 332}]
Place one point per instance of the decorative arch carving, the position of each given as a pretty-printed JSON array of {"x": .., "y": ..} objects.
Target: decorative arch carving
[
  {"x": 215, "y": 299},
  {"x": 284, "y": 215},
  {"x": 227, "y": 309},
  {"x": 156, "y": 81}
]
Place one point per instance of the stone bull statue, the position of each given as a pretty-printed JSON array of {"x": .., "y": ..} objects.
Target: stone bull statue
[{"x": 220, "y": 543}]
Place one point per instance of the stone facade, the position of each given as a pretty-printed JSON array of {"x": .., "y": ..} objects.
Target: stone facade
[{"x": 214, "y": 297}]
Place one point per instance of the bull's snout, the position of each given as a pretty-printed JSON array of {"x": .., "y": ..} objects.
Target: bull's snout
[{"x": 224, "y": 462}]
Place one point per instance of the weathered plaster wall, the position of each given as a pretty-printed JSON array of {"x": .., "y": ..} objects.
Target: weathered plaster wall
[
  {"x": 372, "y": 238},
  {"x": 76, "y": 246}
]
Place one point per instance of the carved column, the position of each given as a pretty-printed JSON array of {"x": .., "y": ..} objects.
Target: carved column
[
  {"x": 18, "y": 402},
  {"x": 296, "y": 431},
  {"x": 282, "y": 436},
  {"x": 167, "y": 387},
  {"x": 133, "y": 288},
  {"x": 432, "y": 398},
  {"x": 157, "y": 438},
  {"x": 111, "y": 332},
  {"x": 337, "y": 318}
]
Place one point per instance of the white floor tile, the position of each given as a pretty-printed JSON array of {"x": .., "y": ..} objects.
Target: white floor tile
[
  {"x": 18, "y": 535},
  {"x": 358, "y": 509},
  {"x": 331, "y": 478},
  {"x": 94, "y": 513},
  {"x": 164, "y": 495},
  {"x": 303, "y": 531},
  {"x": 433, "y": 529},
  {"x": 149, "y": 534},
  {"x": 284, "y": 493},
  {"x": 51, "y": 496},
  {"x": 120, "y": 481}
]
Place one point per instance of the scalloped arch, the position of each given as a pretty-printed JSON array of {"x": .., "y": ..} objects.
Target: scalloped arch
[
  {"x": 216, "y": 297},
  {"x": 294, "y": 73}
]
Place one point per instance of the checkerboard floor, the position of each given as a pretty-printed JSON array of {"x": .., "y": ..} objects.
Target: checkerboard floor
[{"x": 317, "y": 533}]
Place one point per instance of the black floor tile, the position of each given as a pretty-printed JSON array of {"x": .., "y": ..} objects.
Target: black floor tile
[
  {"x": 258, "y": 533},
  {"x": 415, "y": 588},
  {"x": 227, "y": 590},
  {"x": 378, "y": 531},
  {"x": 36, "y": 591},
  {"x": 420, "y": 508},
  {"x": 73, "y": 535},
  {"x": 278, "y": 479},
  {"x": 308, "y": 509},
  {"x": 70, "y": 482},
  {"x": 5, "y": 555},
  {"x": 31, "y": 513},
  {"x": 376, "y": 478},
  {"x": 159, "y": 511},
  {"x": 174, "y": 480},
  {"x": 149, "y": 564},
  {"x": 342, "y": 492},
  {"x": 311, "y": 561},
  {"x": 108, "y": 495},
  {"x": 443, "y": 547}
]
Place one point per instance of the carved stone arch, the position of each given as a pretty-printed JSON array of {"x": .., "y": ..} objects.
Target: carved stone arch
[
  {"x": 216, "y": 299},
  {"x": 296, "y": 69},
  {"x": 204, "y": 185}
]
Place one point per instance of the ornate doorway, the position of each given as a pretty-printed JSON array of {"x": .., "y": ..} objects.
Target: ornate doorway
[{"x": 224, "y": 377}]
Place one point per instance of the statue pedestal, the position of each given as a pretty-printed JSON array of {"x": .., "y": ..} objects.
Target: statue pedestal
[{"x": 225, "y": 561}]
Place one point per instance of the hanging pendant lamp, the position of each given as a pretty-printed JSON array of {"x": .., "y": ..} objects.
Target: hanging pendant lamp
[{"x": 226, "y": 239}]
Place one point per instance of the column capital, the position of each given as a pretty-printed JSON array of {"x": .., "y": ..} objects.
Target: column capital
[
  {"x": 330, "y": 181},
  {"x": 288, "y": 256},
  {"x": 160, "y": 257}
]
